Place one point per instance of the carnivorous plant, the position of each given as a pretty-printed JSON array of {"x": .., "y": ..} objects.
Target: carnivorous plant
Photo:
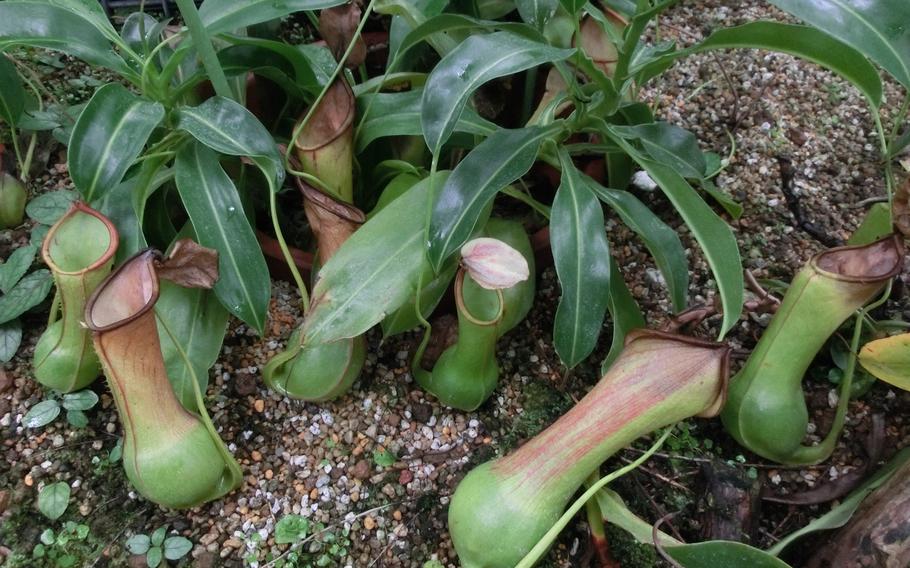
[
  {"x": 766, "y": 411},
  {"x": 503, "y": 507},
  {"x": 79, "y": 250},
  {"x": 172, "y": 456}
]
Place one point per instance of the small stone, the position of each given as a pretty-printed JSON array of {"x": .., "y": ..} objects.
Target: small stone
[
  {"x": 422, "y": 412},
  {"x": 360, "y": 470},
  {"x": 269, "y": 474},
  {"x": 233, "y": 543},
  {"x": 256, "y": 456},
  {"x": 245, "y": 385},
  {"x": 405, "y": 477},
  {"x": 396, "y": 515},
  {"x": 29, "y": 480},
  {"x": 369, "y": 524},
  {"x": 259, "y": 405},
  {"x": 4, "y": 501}
]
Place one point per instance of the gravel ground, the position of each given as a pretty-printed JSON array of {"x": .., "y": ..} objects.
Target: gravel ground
[{"x": 374, "y": 470}]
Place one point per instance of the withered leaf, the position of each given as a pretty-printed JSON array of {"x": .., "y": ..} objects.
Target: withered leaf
[
  {"x": 190, "y": 265},
  {"x": 900, "y": 208},
  {"x": 337, "y": 26}
]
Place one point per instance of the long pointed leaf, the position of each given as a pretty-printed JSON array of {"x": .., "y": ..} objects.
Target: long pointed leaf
[
  {"x": 661, "y": 240},
  {"x": 475, "y": 61},
  {"x": 879, "y": 29},
  {"x": 712, "y": 233},
  {"x": 374, "y": 272},
  {"x": 12, "y": 94},
  {"x": 108, "y": 137},
  {"x": 214, "y": 207},
  {"x": 625, "y": 313},
  {"x": 582, "y": 258},
  {"x": 52, "y": 27},
  {"x": 227, "y": 127},
  {"x": 398, "y": 114},
  {"x": 496, "y": 162},
  {"x": 226, "y": 15}
]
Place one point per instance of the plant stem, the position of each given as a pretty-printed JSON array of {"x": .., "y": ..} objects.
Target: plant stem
[
  {"x": 204, "y": 46},
  {"x": 527, "y": 200},
  {"x": 528, "y": 99},
  {"x": 288, "y": 258},
  {"x": 543, "y": 544}
]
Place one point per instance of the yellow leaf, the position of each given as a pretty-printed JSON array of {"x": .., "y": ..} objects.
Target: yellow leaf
[{"x": 888, "y": 359}]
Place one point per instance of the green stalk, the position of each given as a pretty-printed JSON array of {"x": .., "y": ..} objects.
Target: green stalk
[{"x": 205, "y": 48}]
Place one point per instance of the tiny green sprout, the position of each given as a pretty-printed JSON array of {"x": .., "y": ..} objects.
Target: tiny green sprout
[
  {"x": 291, "y": 529},
  {"x": 75, "y": 404},
  {"x": 383, "y": 457},
  {"x": 158, "y": 546},
  {"x": 53, "y": 500}
]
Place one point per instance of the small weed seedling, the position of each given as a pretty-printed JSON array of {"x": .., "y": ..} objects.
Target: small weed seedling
[{"x": 159, "y": 546}]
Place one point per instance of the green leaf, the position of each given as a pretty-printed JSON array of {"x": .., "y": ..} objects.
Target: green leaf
[
  {"x": 670, "y": 145},
  {"x": 537, "y": 12},
  {"x": 297, "y": 59},
  {"x": 47, "y": 537},
  {"x": 374, "y": 272},
  {"x": 10, "y": 338},
  {"x": 573, "y": 7},
  {"x": 138, "y": 544},
  {"x": 158, "y": 535},
  {"x": 52, "y": 27},
  {"x": 383, "y": 457},
  {"x": 625, "y": 313},
  {"x": 877, "y": 29},
  {"x": 142, "y": 32},
  {"x": 12, "y": 94},
  {"x": 214, "y": 207},
  {"x": 108, "y": 137},
  {"x": 732, "y": 208},
  {"x": 16, "y": 266},
  {"x": 226, "y": 15},
  {"x": 80, "y": 400},
  {"x": 291, "y": 529},
  {"x": 581, "y": 255},
  {"x": 76, "y": 418},
  {"x": 800, "y": 41},
  {"x": 503, "y": 157},
  {"x": 876, "y": 224},
  {"x": 41, "y": 414},
  {"x": 153, "y": 557},
  {"x": 197, "y": 320},
  {"x": 53, "y": 500},
  {"x": 478, "y": 59},
  {"x": 715, "y": 237},
  {"x": 176, "y": 547},
  {"x": 89, "y": 10},
  {"x": 47, "y": 208},
  {"x": 722, "y": 554},
  {"x": 398, "y": 114},
  {"x": 28, "y": 293},
  {"x": 227, "y": 127},
  {"x": 448, "y": 22},
  {"x": 661, "y": 240}
]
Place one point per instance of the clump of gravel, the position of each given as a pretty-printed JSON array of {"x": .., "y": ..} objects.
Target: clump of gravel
[{"x": 373, "y": 471}]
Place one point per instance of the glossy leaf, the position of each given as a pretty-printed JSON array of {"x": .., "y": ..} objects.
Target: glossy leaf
[
  {"x": 625, "y": 313},
  {"x": 669, "y": 145},
  {"x": 80, "y": 400},
  {"x": 536, "y": 12},
  {"x": 41, "y": 414},
  {"x": 573, "y": 6},
  {"x": 503, "y": 157},
  {"x": 661, "y": 240},
  {"x": 10, "y": 339},
  {"x": 888, "y": 359},
  {"x": 89, "y": 10},
  {"x": 226, "y": 15},
  {"x": 25, "y": 295},
  {"x": 141, "y": 31},
  {"x": 581, "y": 255},
  {"x": 227, "y": 127},
  {"x": 54, "y": 499},
  {"x": 176, "y": 547},
  {"x": 299, "y": 59},
  {"x": 197, "y": 320},
  {"x": 722, "y": 554},
  {"x": 877, "y": 29},
  {"x": 12, "y": 94},
  {"x": 478, "y": 59},
  {"x": 108, "y": 137},
  {"x": 374, "y": 272},
  {"x": 52, "y": 27},
  {"x": 398, "y": 114},
  {"x": 16, "y": 266},
  {"x": 214, "y": 207},
  {"x": 138, "y": 543},
  {"x": 876, "y": 225},
  {"x": 713, "y": 235},
  {"x": 458, "y": 22},
  {"x": 801, "y": 41}
]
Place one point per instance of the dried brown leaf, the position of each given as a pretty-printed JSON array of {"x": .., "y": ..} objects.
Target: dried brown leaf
[
  {"x": 337, "y": 26},
  {"x": 190, "y": 265},
  {"x": 900, "y": 208}
]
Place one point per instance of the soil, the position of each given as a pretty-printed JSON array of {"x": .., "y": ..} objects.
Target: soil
[{"x": 373, "y": 471}]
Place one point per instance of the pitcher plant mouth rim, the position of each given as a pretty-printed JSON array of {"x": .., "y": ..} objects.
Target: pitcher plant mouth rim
[
  {"x": 151, "y": 253},
  {"x": 107, "y": 255},
  {"x": 898, "y": 246}
]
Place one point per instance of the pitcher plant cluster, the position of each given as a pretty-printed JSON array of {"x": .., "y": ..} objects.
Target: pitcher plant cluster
[{"x": 384, "y": 193}]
